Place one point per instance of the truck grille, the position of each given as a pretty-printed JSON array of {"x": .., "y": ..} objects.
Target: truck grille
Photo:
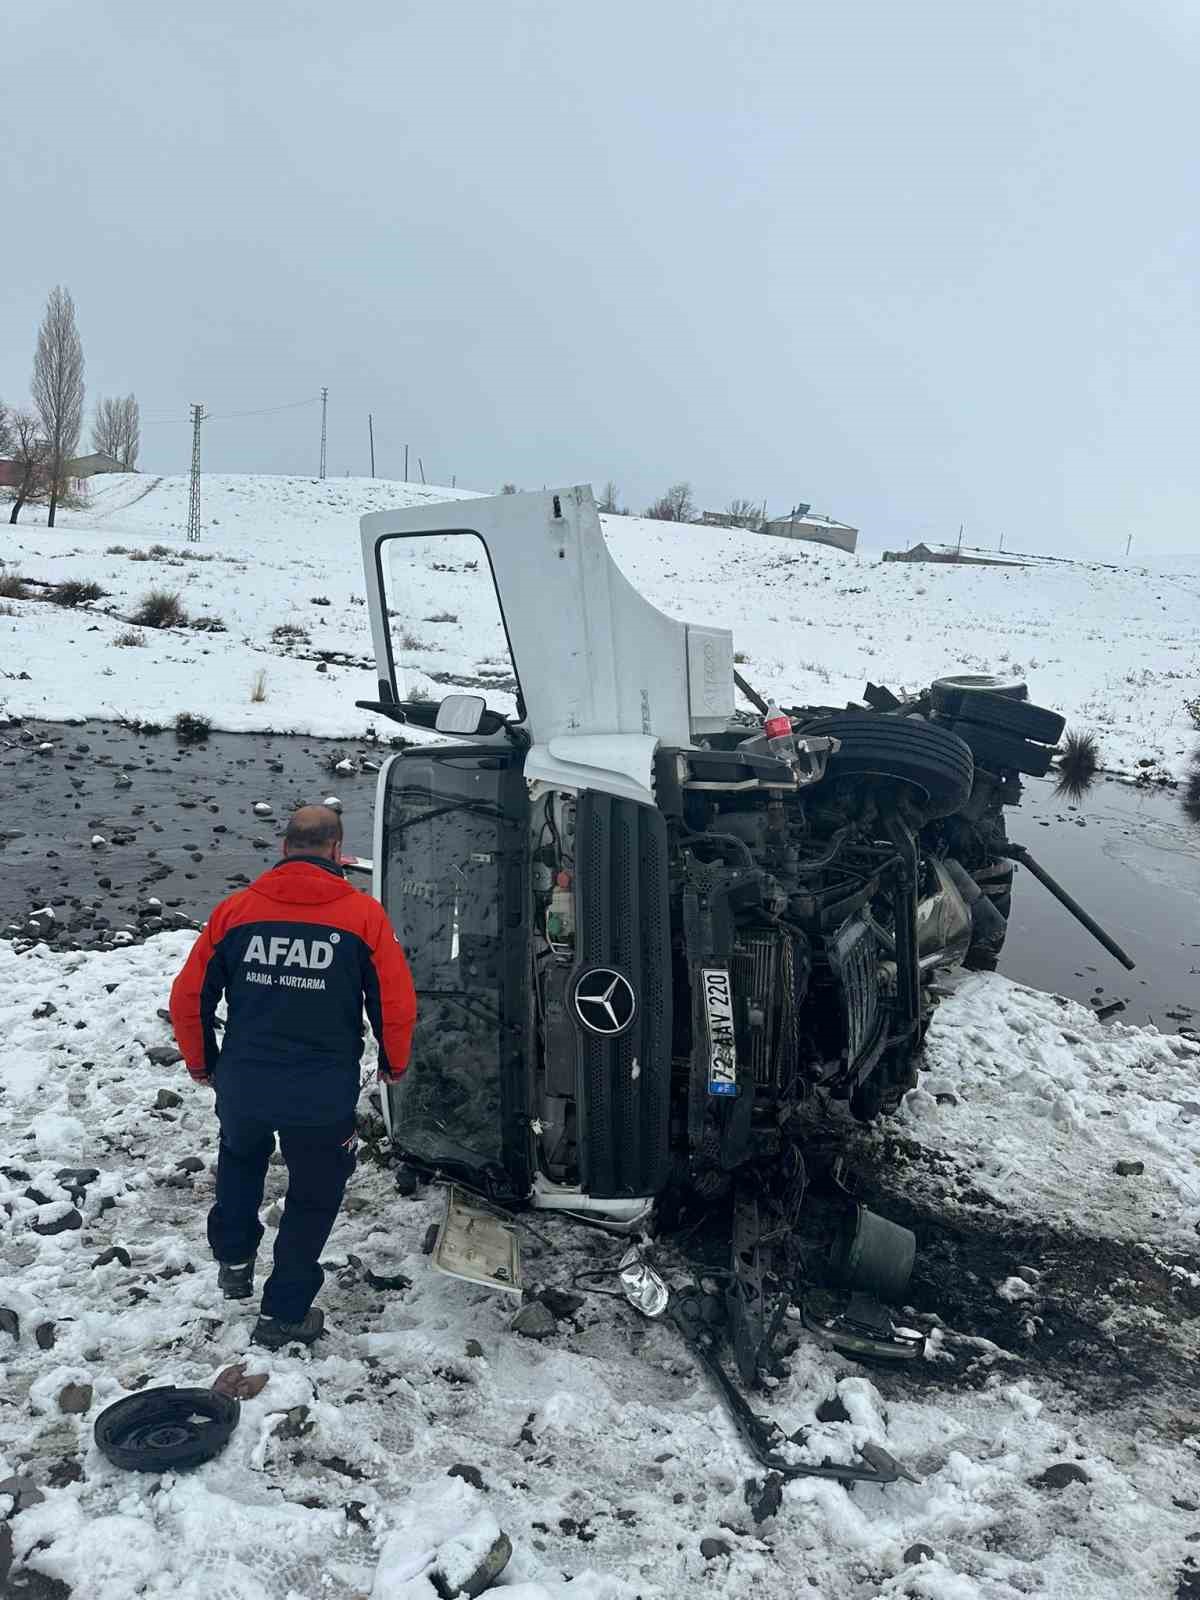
[
  {"x": 623, "y": 922},
  {"x": 856, "y": 962}
]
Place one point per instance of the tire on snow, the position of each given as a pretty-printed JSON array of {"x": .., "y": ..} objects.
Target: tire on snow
[
  {"x": 930, "y": 759},
  {"x": 166, "y": 1430}
]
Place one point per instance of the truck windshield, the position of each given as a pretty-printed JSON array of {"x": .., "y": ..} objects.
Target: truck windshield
[{"x": 444, "y": 857}]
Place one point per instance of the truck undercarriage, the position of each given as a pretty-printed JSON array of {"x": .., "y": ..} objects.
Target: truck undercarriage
[{"x": 654, "y": 937}]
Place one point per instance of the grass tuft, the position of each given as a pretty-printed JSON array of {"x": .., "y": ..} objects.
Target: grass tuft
[{"x": 161, "y": 608}]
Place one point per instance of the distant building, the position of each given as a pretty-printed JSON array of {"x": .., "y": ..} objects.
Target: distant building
[
  {"x": 804, "y": 523},
  {"x": 949, "y": 556},
  {"x": 752, "y": 521},
  {"x": 11, "y": 473},
  {"x": 91, "y": 466}
]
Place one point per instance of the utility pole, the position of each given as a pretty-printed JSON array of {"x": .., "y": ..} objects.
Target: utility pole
[
  {"x": 1128, "y": 544},
  {"x": 193, "y": 528},
  {"x": 1002, "y": 541},
  {"x": 960, "y": 534},
  {"x": 406, "y": 463},
  {"x": 371, "y": 432},
  {"x": 324, "y": 405},
  {"x": 421, "y": 464}
]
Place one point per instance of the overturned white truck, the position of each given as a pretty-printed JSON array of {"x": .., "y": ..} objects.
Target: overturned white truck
[{"x": 648, "y": 939}]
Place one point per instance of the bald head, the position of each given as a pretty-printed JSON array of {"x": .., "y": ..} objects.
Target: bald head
[{"x": 314, "y": 831}]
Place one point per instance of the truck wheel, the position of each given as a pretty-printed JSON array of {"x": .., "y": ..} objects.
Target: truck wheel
[
  {"x": 997, "y": 711},
  {"x": 961, "y": 683},
  {"x": 1000, "y": 751},
  {"x": 930, "y": 759}
]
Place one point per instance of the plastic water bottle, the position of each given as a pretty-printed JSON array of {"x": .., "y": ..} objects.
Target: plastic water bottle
[{"x": 777, "y": 726}]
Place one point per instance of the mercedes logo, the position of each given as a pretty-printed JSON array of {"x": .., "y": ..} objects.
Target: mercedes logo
[{"x": 605, "y": 1002}]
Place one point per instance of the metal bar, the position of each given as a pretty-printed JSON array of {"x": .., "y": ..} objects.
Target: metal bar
[
  {"x": 1018, "y": 852},
  {"x": 752, "y": 694}
]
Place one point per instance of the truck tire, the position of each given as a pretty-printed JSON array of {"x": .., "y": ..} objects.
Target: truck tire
[
  {"x": 997, "y": 711},
  {"x": 1000, "y": 752},
  {"x": 166, "y": 1430},
  {"x": 930, "y": 759},
  {"x": 960, "y": 683}
]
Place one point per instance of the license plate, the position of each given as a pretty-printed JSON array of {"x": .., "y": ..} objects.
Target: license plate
[{"x": 718, "y": 1010}]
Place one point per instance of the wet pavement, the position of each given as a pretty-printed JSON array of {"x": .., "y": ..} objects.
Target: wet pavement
[{"x": 179, "y": 831}]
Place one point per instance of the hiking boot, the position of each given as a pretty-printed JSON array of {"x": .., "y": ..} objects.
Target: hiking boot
[
  {"x": 274, "y": 1334},
  {"x": 236, "y": 1282}
]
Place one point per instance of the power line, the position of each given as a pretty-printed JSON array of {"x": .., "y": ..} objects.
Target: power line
[{"x": 222, "y": 416}]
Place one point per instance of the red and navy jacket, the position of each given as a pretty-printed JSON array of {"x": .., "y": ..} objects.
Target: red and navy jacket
[{"x": 297, "y": 955}]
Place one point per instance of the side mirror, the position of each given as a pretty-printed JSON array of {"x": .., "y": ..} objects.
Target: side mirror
[{"x": 461, "y": 713}]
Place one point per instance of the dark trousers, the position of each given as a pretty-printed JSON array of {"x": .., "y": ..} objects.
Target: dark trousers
[{"x": 319, "y": 1161}]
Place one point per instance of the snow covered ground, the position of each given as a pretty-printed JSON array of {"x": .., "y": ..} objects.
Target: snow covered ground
[
  {"x": 1115, "y": 649},
  {"x": 1049, "y": 1163},
  {"x": 603, "y": 1452}
]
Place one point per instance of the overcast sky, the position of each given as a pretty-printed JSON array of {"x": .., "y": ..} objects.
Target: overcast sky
[{"x": 917, "y": 263}]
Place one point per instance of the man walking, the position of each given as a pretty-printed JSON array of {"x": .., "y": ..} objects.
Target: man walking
[{"x": 297, "y": 955}]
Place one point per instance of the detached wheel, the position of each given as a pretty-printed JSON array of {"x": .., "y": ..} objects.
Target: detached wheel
[
  {"x": 166, "y": 1430},
  {"x": 930, "y": 759}
]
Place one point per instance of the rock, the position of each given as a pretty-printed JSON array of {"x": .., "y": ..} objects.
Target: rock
[
  {"x": 1060, "y": 1475},
  {"x": 98, "y": 841},
  {"x": 467, "y": 1473},
  {"x": 295, "y": 1424},
  {"x": 262, "y": 809},
  {"x": 832, "y": 1410},
  {"x": 167, "y": 1100},
  {"x": 190, "y": 1164},
  {"x": 75, "y": 1399},
  {"x": 560, "y": 1302},
  {"x": 764, "y": 1499},
  {"x": 534, "y": 1320},
  {"x": 458, "y": 1575},
  {"x": 10, "y": 1322},
  {"x": 77, "y": 1177},
  {"x": 946, "y": 1098},
  {"x": 322, "y": 666},
  {"x": 1129, "y": 1169},
  {"x": 710, "y": 1549},
  {"x": 115, "y": 1252},
  {"x": 64, "y": 1222},
  {"x": 430, "y": 1239},
  {"x": 474, "y": 1349},
  {"x": 23, "y": 1490},
  {"x": 332, "y": 801},
  {"x": 916, "y": 1553},
  {"x": 45, "y": 1335},
  {"x": 46, "y": 1009},
  {"x": 345, "y": 765},
  {"x": 164, "y": 1055}
]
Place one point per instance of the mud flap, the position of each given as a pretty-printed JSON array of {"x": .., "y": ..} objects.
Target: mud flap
[
  {"x": 473, "y": 1244},
  {"x": 698, "y": 1316}
]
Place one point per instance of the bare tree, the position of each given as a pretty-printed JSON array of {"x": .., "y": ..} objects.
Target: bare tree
[
  {"x": 676, "y": 505},
  {"x": 131, "y": 432},
  {"x": 117, "y": 429},
  {"x": 608, "y": 500},
  {"x": 5, "y": 431},
  {"x": 743, "y": 513},
  {"x": 29, "y": 452},
  {"x": 58, "y": 387},
  {"x": 508, "y": 488}
]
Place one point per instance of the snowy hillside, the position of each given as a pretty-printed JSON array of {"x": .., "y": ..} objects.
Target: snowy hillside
[{"x": 1115, "y": 650}]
